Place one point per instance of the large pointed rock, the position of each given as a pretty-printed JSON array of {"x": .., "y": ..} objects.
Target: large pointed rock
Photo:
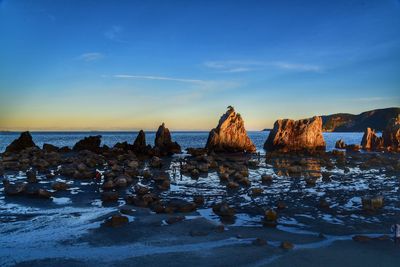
[
  {"x": 22, "y": 142},
  {"x": 230, "y": 135},
  {"x": 139, "y": 146},
  {"x": 296, "y": 136},
  {"x": 163, "y": 141},
  {"x": 391, "y": 134},
  {"x": 371, "y": 141}
]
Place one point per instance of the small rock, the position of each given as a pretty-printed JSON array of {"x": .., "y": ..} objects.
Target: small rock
[
  {"x": 270, "y": 218},
  {"x": 116, "y": 221},
  {"x": 31, "y": 176},
  {"x": 43, "y": 193},
  {"x": 223, "y": 210},
  {"x": 256, "y": 191},
  {"x": 175, "y": 219},
  {"x": 286, "y": 245},
  {"x": 265, "y": 178},
  {"x": 59, "y": 186},
  {"x": 109, "y": 196}
]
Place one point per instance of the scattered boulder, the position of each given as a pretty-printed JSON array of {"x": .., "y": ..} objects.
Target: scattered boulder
[
  {"x": 223, "y": 210},
  {"x": 13, "y": 189},
  {"x": 50, "y": 148},
  {"x": 155, "y": 162},
  {"x": 109, "y": 196},
  {"x": 59, "y": 186},
  {"x": 116, "y": 221},
  {"x": 270, "y": 218},
  {"x": 286, "y": 245},
  {"x": 391, "y": 135},
  {"x": 43, "y": 193},
  {"x": 340, "y": 144},
  {"x": 31, "y": 176},
  {"x": 174, "y": 219},
  {"x": 164, "y": 142},
  {"x": 372, "y": 203},
  {"x": 22, "y": 142},
  {"x": 91, "y": 143},
  {"x": 301, "y": 136},
  {"x": 230, "y": 135},
  {"x": 371, "y": 141}
]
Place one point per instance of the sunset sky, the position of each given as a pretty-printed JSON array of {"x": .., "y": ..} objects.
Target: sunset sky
[{"x": 128, "y": 65}]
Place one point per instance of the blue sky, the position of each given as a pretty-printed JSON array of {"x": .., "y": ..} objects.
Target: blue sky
[{"x": 84, "y": 65}]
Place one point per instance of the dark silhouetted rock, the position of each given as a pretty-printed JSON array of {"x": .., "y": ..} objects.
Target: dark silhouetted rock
[
  {"x": 164, "y": 143},
  {"x": 139, "y": 146},
  {"x": 50, "y": 148},
  {"x": 22, "y": 142},
  {"x": 391, "y": 135},
  {"x": 301, "y": 135},
  {"x": 371, "y": 141},
  {"x": 91, "y": 143},
  {"x": 230, "y": 135}
]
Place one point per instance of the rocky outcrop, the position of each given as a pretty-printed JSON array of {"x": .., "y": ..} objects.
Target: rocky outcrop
[
  {"x": 91, "y": 143},
  {"x": 391, "y": 135},
  {"x": 139, "y": 146},
  {"x": 230, "y": 135},
  {"x": 340, "y": 144},
  {"x": 302, "y": 135},
  {"x": 22, "y": 142},
  {"x": 163, "y": 141},
  {"x": 371, "y": 141}
]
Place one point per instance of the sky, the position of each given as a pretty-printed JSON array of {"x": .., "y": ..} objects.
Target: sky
[{"x": 130, "y": 65}]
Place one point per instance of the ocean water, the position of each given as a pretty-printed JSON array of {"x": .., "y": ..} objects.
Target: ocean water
[{"x": 185, "y": 139}]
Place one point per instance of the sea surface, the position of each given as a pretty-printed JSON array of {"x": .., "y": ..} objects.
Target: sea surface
[{"x": 185, "y": 139}]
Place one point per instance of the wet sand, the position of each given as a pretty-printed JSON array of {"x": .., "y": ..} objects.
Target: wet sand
[{"x": 69, "y": 228}]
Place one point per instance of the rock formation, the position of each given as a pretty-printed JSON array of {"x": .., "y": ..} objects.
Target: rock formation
[
  {"x": 139, "y": 146},
  {"x": 230, "y": 135},
  {"x": 302, "y": 135},
  {"x": 371, "y": 141},
  {"x": 91, "y": 143},
  {"x": 340, "y": 144},
  {"x": 22, "y": 142},
  {"x": 391, "y": 134},
  {"x": 163, "y": 141}
]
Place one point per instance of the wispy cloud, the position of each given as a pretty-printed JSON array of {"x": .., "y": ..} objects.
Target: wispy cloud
[
  {"x": 114, "y": 34},
  {"x": 93, "y": 56},
  {"x": 233, "y": 66},
  {"x": 161, "y": 78}
]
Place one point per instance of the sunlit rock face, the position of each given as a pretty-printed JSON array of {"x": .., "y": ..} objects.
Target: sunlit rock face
[
  {"x": 301, "y": 135},
  {"x": 230, "y": 135},
  {"x": 391, "y": 135},
  {"x": 22, "y": 142},
  {"x": 164, "y": 143},
  {"x": 371, "y": 141}
]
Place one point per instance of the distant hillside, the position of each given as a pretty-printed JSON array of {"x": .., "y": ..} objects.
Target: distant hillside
[{"x": 344, "y": 122}]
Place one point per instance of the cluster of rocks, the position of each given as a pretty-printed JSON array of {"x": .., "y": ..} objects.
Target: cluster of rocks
[{"x": 389, "y": 141}]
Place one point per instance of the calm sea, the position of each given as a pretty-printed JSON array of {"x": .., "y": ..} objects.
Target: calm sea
[{"x": 185, "y": 139}]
